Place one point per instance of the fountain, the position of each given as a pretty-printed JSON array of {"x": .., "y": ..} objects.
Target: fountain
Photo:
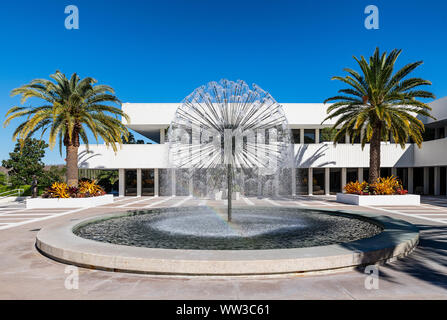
[
  {"x": 226, "y": 134},
  {"x": 228, "y": 125}
]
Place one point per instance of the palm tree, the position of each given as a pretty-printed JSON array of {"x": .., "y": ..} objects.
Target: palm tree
[
  {"x": 378, "y": 103},
  {"x": 70, "y": 107}
]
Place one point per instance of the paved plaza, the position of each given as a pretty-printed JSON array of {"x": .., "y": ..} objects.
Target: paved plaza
[{"x": 26, "y": 274}]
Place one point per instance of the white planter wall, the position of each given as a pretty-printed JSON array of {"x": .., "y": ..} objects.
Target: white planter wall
[
  {"x": 42, "y": 203},
  {"x": 373, "y": 200}
]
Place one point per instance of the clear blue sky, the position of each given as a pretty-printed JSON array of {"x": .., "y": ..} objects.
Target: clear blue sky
[{"x": 159, "y": 51}]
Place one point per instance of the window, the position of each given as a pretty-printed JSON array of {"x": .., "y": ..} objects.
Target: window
[
  {"x": 147, "y": 182},
  {"x": 296, "y": 136},
  {"x": 351, "y": 175},
  {"x": 385, "y": 172},
  {"x": 402, "y": 175},
  {"x": 182, "y": 180},
  {"x": 130, "y": 182},
  {"x": 443, "y": 180},
  {"x": 429, "y": 134},
  {"x": 366, "y": 174},
  {"x": 327, "y": 134},
  {"x": 301, "y": 181},
  {"x": 318, "y": 181},
  {"x": 418, "y": 180},
  {"x": 309, "y": 135},
  {"x": 335, "y": 180},
  {"x": 165, "y": 178}
]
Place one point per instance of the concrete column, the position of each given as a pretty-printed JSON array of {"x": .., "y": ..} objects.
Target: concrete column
[
  {"x": 317, "y": 135},
  {"x": 327, "y": 181},
  {"x": 139, "y": 184},
  {"x": 437, "y": 177},
  {"x": 343, "y": 179},
  {"x": 446, "y": 171},
  {"x": 242, "y": 182},
  {"x": 162, "y": 136},
  {"x": 156, "y": 183},
  {"x": 191, "y": 185},
  {"x": 426, "y": 180},
  {"x": 173, "y": 182},
  {"x": 302, "y": 136},
  {"x": 347, "y": 138},
  {"x": 310, "y": 182},
  {"x": 293, "y": 181},
  {"x": 410, "y": 180},
  {"x": 121, "y": 182},
  {"x": 276, "y": 185},
  {"x": 360, "y": 174},
  {"x": 394, "y": 171}
]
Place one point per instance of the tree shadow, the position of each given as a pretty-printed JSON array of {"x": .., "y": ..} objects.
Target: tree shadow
[
  {"x": 84, "y": 156},
  {"x": 301, "y": 162},
  {"x": 428, "y": 261}
]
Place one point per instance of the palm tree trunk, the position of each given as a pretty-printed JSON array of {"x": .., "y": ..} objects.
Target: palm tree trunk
[
  {"x": 72, "y": 165},
  {"x": 374, "y": 154}
]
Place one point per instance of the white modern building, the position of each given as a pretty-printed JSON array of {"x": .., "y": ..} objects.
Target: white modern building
[{"x": 320, "y": 166}]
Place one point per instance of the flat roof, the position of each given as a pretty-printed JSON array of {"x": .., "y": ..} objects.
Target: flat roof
[{"x": 148, "y": 118}]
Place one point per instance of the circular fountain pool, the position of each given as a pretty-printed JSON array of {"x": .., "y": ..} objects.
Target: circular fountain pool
[
  {"x": 259, "y": 241},
  {"x": 204, "y": 228}
]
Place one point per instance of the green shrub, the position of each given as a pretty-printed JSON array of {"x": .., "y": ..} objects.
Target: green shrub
[{"x": 26, "y": 189}]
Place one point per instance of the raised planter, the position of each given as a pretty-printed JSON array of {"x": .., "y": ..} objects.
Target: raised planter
[
  {"x": 38, "y": 203},
  {"x": 379, "y": 200}
]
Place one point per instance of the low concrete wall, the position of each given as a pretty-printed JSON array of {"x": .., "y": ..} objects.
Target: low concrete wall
[
  {"x": 378, "y": 200},
  {"x": 12, "y": 199},
  {"x": 39, "y": 203}
]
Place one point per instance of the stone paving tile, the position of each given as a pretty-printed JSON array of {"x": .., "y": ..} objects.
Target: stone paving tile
[{"x": 26, "y": 274}]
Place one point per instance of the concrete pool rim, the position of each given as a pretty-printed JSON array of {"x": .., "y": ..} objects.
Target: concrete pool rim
[{"x": 397, "y": 240}]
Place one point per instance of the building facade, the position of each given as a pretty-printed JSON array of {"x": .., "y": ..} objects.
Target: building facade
[{"x": 321, "y": 168}]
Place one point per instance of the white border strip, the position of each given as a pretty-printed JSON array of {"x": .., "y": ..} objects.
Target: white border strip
[
  {"x": 158, "y": 202},
  {"x": 182, "y": 201},
  {"x": 248, "y": 201},
  {"x": 406, "y": 214}
]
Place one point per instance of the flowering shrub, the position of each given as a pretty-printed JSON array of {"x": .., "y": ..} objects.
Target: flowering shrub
[
  {"x": 57, "y": 190},
  {"x": 383, "y": 186},
  {"x": 356, "y": 187},
  {"x": 89, "y": 187},
  {"x": 86, "y": 189}
]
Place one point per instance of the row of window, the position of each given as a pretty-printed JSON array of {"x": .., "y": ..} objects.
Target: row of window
[
  {"x": 318, "y": 181},
  {"x": 302, "y": 178},
  {"x": 324, "y": 135},
  {"x": 328, "y": 134}
]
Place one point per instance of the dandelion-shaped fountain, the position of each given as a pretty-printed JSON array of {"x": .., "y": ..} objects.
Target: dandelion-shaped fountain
[{"x": 228, "y": 126}]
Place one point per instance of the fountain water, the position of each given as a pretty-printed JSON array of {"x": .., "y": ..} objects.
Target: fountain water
[{"x": 227, "y": 128}]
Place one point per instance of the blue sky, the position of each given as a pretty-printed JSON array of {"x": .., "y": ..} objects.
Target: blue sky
[{"x": 160, "y": 51}]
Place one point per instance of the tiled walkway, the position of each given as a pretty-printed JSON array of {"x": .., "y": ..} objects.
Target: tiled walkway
[{"x": 26, "y": 274}]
